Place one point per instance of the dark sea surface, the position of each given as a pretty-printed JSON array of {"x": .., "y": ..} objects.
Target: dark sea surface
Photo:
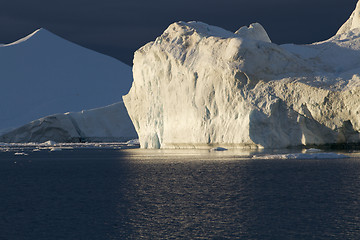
[{"x": 138, "y": 194}]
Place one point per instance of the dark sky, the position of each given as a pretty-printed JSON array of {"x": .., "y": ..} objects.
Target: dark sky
[{"x": 119, "y": 27}]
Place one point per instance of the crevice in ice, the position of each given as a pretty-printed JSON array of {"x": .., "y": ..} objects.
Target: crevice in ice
[
  {"x": 347, "y": 134},
  {"x": 155, "y": 141},
  {"x": 77, "y": 128}
]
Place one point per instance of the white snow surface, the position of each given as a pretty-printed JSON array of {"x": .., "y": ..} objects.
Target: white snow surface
[
  {"x": 199, "y": 86},
  {"x": 43, "y": 74},
  {"x": 105, "y": 124}
]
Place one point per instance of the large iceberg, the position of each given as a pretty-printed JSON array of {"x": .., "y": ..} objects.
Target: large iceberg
[
  {"x": 43, "y": 74},
  {"x": 198, "y": 86}
]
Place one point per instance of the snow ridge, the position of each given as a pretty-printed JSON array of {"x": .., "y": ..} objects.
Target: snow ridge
[{"x": 24, "y": 38}]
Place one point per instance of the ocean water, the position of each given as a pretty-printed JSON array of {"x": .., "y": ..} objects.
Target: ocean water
[{"x": 136, "y": 194}]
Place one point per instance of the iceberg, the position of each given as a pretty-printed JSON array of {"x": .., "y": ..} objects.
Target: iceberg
[
  {"x": 200, "y": 86},
  {"x": 106, "y": 124},
  {"x": 43, "y": 74}
]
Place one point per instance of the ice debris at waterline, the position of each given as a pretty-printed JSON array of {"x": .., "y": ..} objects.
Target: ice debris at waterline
[
  {"x": 44, "y": 74},
  {"x": 302, "y": 156},
  {"x": 105, "y": 124},
  {"x": 199, "y": 86},
  {"x": 52, "y": 146}
]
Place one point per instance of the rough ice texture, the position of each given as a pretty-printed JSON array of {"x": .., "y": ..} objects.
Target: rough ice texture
[
  {"x": 353, "y": 22},
  {"x": 198, "y": 86},
  {"x": 110, "y": 123},
  {"x": 43, "y": 74},
  {"x": 255, "y": 32}
]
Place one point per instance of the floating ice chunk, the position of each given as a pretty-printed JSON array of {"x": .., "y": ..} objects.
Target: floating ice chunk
[
  {"x": 133, "y": 142},
  {"x": 20, "y": 154},
  {"x": 55, "y": 149},
  {"x": 312, "y": 150},
  {"x": 49, "y": 143}
]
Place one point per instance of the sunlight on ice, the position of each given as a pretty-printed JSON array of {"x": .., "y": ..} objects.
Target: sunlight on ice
[{"x": 199, "y": 85}]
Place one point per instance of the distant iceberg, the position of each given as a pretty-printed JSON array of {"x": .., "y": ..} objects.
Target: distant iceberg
[
  {"x": 106, "y": 124},
  {"x": 198, "y": 85},
  {"x": 44, "y": 76}
]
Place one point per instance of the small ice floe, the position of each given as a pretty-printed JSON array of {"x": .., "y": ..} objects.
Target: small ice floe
[
  {"x": 66, "y": 148},
  {"x": 20, "y": 154},
  {"x": 302, "y": 156},
  {"x": 133, "y": 142},
  {"x": 36, "y": 150},
  {"x": 218, "y": 149},
  {"x": 48, "y": 143},
  {"x": 312, "y": 150},
  {"x": 55, "y": 149}
]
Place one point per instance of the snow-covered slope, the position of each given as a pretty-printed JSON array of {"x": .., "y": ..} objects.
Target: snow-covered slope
[
  {"x": 198, "y": 86},
  {"x": 110, "y": 123},
  {"x": 43, "y": 74}
]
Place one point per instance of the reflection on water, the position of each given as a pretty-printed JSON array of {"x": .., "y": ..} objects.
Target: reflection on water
[
  {"x": 226, "y": 197},
  {"x": 138, "y": 194}
]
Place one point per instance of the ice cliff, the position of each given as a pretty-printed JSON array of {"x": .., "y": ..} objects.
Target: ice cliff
[{"x": 198, "y": 85}]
